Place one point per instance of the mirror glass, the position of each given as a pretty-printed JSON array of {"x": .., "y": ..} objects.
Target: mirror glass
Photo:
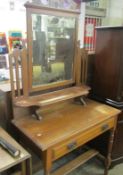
[{"x": 52, "y": 48}]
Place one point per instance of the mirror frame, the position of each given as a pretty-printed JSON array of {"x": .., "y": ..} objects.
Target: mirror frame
[{"x": 37, "y": 9}]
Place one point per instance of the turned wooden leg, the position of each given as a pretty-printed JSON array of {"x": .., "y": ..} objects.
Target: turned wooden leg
[
  {"x": 110, "y": 145},
  {"x": 29, "y": 166},
  {"x": 47, "y": 161},
  {"x": 26, "y": 167}
]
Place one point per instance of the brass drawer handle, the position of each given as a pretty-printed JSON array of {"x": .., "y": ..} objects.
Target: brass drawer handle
[
  {"x": 104, "y": 127},
  {"x": 72, "y": 145}
]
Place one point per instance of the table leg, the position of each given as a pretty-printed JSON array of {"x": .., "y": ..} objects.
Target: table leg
[
  {"x": 29, "y": 166},
  {"x": 110, "y": 145},
  {"x": 23, "y": 168},
  {"x": 26, "y": 167},
  {"x": 47, "y": 161}
]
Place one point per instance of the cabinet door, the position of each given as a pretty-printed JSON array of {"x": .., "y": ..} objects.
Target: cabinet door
[
  {"x": 108, "y": 61},
  {"x": 2, "y": 110},
  {"x": 120, "y": 84},
  {"x": 117, "y": 151}
]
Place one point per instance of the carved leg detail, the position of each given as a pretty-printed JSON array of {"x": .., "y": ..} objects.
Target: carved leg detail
[{"x": 108, "y": 158}]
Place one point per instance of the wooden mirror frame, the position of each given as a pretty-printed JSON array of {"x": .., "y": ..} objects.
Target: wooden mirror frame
[
  {"x": 23, "y": 95},
  {"x": 36, "y": 9}
]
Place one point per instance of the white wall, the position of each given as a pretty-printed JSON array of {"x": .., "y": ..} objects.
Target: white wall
[
  {"x": 101, "y": 3},
  {"x": 12, "y": 19},
  {"x": 81, "y": 25},
  {"x": 16, "y": 19},
  {"x": 114, "y": 13}
]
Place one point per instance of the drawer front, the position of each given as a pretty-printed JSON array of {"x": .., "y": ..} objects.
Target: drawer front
[{"x": 67, "y": 146}]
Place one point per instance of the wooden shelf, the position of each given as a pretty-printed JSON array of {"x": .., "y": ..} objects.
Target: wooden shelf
[
  {"x": 76, "y": 162},
  {"x": 52, "y": 97}
]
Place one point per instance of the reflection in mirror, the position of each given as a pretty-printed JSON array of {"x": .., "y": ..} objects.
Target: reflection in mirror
[{"x": 53, "y": 48}]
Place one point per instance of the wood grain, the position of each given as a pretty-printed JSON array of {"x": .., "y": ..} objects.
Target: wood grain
[
  {"x": 31, "y": 8},
  {"x": 52, "y": 97},
  {"x": 65, "y": 121},
  {"x": 75, "y": 163}
]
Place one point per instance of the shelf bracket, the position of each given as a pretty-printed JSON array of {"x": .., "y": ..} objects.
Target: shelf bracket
[
  {"x": 83, "y": 101},
  {"x": 35, "y": 113}
]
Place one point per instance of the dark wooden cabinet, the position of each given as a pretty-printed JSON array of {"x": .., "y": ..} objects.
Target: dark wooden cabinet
[
  {"x": 108, "y": 77},
  {"x": 5, "y": 106}
]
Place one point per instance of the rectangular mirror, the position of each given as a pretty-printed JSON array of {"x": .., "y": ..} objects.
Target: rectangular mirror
[{"x": 52, "y": 45}]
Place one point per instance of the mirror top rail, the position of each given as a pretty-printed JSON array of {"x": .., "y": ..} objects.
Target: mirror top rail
[
  {"x": 51, "y": 9},
  {"x": 52, "y": 97}
]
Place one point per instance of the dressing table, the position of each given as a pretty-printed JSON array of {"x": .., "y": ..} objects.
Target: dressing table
[{"x": 51, "y": 114}]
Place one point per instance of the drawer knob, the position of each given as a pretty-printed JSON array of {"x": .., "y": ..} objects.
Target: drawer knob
[
  {"x": 105, "y": 127},
  {"x": 72, "y": 145}
]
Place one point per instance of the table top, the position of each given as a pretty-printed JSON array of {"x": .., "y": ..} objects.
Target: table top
[
  {"x": 6, "y": 160},
  {"x": 63, "y": 121}
]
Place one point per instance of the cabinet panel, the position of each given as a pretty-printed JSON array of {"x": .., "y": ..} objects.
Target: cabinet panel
[
  {"x": 2, "y": 110},
  {"x": 108, "y": 79},
  {"x": 118, "y": 142},
  {"x": 107, "y": 83}
]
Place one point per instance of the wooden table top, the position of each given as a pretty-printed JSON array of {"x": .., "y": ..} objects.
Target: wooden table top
[
  {"x": 63, "y": 121},
  {"x": 6, "y": 160}
]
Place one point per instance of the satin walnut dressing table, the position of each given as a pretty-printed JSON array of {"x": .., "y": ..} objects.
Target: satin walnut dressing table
[{"x": 51, "y": 115}]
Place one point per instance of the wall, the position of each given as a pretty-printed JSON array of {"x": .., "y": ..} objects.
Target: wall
[
  {"x": 98, "y": 4},
  {"x": 16, "y": 19},
  {"x": 81, "y": 25},
  {"x": 12, "y": 19},
  {"x": 114, "y": 13}
]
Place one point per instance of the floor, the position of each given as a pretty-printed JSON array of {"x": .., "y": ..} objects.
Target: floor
[{"x": 92, "y": 167}]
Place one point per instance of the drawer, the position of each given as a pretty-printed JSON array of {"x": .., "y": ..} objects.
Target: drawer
[{"x": 68, "y": 145}]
